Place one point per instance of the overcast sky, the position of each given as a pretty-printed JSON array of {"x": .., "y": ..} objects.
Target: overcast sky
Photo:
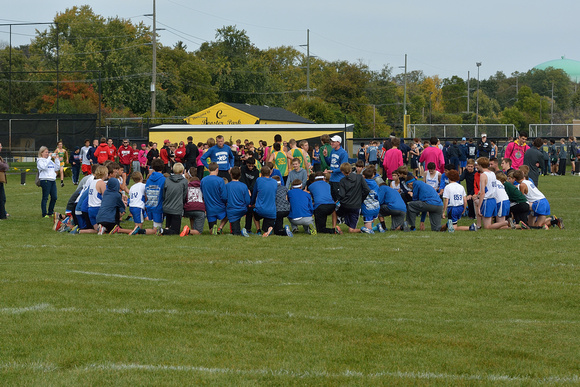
[{"x": 442, "y": 38}]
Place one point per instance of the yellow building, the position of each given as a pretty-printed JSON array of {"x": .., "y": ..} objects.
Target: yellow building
[{"x": 244, "y": 114}]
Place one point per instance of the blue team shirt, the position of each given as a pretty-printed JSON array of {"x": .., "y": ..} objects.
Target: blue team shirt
[
  {"x": 425, "y": 193},
  {"x": 337, "y": 157},
  {"x": 222, "y": 156},
  {"x": 320, "y": 191},
  {"x": 370, "y": 206},
  {"x": 391, "y": 198},
  {"x": 214, "y": 193},
  {"x": 264, "y": 197},
  {"x": 238, "y": 200},
  {"x": 300, "y": 204}
]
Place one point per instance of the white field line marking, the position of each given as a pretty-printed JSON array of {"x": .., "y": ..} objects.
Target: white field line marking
[
  {"x": 118, "y": 275},
  {"x": 215, "y": 313},
  {"x": 297, "y": 374}
]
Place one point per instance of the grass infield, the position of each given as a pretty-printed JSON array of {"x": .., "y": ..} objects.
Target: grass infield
[{"x": 396, "y": 308}]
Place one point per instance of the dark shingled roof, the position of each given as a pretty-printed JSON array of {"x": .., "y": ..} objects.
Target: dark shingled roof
[{"x": 270, "y": 113}]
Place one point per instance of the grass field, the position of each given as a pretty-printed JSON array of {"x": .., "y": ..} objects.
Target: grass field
[{"x": 396, "y": 308}]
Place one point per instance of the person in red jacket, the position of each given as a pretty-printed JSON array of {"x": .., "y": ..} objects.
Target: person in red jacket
[
  {"x": 125, "y": 153},
  {"x": 164, "y": 154},
  {"x": 102, "y": 151},
  {"x": 112, "y": 150},
  {"x": 180, "y": 153}
]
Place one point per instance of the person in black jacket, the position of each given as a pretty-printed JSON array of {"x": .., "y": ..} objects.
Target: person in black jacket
[
  {"x": 352, "y": 191},
  {"x": 191, "y": 153}
]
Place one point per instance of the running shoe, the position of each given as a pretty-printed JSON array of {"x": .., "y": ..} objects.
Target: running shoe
[
  {"x": 473, "y": 227},
  {"x": 75, "y": 230},
  {"x": 380, "y": 228},
  {"x": 523, "y": 225},
  {"x": 64, "y": 228},
  {"x": 214, "y": 229},
  {"x": 100, "y": 230},
  {"x": 406, "y": 227},
  {"x": 267, "y": 233},
  {"x": 313, "y": 231},
  {"x": 114, "y": 230},
  {"x": 512, "y": 223},
  {"x": 338, "y": 230},
  {"x": 159, "y": 231},
  {"x": 366, "y": 230},
  {"x": 288, "y": 231},
  {"x": 450, "y": 227},
  {"x": 185, "y": 231},
  {"x": 560, "y": 223},
  {"x": 245, "y": 233},
  {"x": 135, "y": 230}
]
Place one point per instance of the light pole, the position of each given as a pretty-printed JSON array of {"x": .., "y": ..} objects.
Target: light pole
[
  {"x": 477, "y": 100},
  {"x": 405, "y": 96},
  {"x": 430, "y": 111},
  {"x": 154, "y": 67}
]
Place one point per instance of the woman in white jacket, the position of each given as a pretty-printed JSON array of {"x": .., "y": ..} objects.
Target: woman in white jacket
[{"x": 47, "y": 174}]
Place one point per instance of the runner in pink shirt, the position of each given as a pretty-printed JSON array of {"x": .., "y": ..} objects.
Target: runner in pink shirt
[
  {"x": 393, "y": 158},
  {"x": 433, "y": 154}
]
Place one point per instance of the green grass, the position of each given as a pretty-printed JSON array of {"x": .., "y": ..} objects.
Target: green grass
[{"x": 396, "y": 308}]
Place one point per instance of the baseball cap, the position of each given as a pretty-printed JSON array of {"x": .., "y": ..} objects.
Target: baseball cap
[
  {"x": 336, "y": 138},
  {"x": 483, "y": 135},
  {"x": 463, "y": 139},
  {"x": 166, "y": 141}
]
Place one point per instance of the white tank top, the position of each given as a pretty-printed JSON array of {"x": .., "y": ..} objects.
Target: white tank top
[
  {"x": 491, "y": 185},
  {"x": 85, "y": 187},
  {"x": 94, "y": 196},
  {"x": 433, "y": 181},
  {"x": 500, "y": 194},
  {"x": 534, "y": 193}
]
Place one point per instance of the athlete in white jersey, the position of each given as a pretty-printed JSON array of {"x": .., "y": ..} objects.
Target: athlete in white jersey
[
  {"x": 433, "y": 179},
  {"x": 487, "y": 196},
  {"x": 533, "y": 194},
  {"x": 502, "y": 201},
  {"x": 538, "y": 202}
]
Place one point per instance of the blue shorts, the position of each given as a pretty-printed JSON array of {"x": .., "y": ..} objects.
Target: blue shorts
[
  {"x": 463, "y": 164},
  {"x": 503, "y": 208},
  {"x": 81, "y": 221},
  {"x": 138, "y": 214},
  {"x": 541, "y": 207},
  {"x": 351, "y": 217},
  {"x": 155, "y": 215},
  {"x": 370, "y": 217},
  {"x": 93, "y": 211},
  {"x": 454, "y": 213},
  {"x": 488, "y": 208},
  {"x": 216, "y": 217}
]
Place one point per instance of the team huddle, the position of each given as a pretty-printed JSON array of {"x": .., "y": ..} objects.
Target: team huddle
[{"x": 265, "y": 192}]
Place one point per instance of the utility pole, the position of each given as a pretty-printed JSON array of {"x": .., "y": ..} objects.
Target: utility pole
[
  {"x": 307, "y": 62},
  {"x": 468, "y": 92},
  {"x": 477, "y": 101},
  {"x": 154, "y": 69}
]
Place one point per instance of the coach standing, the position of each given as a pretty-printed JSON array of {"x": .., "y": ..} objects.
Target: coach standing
[
  {"x": 191, "y": 153},
  {"x": 335, "y": 159},
  {"x": 221, "y": 155}
]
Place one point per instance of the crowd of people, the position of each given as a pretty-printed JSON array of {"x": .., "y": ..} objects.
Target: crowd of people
[{"x": 266, "y": 185}]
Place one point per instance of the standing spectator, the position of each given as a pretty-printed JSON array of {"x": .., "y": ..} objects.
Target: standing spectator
[
  {"x": 222, "y": 156},
  {"x": 47, "y": 168},
  {"x": 471, "y": 149},
  {"x": 515, "y": 150},
  {"x": 75, "y": 162},
  {"x": 325, "y": 141},
  {"x": 102, "y": 151},
  {"x": 534, "y": 159},
  {"x": 393, "y": 159},
  {"x": 433, "y": 154},
  {"x": 85, "y": 159},
  {"x": 135, "y": 165},
  {"x": 484, "y": 146},
  {"x": 454, "y": 152},
  {"x": 562, "y": 156},
  {"x": 180, "y": 153},
  {"x": 92, "y": 154},
  {"x": 153, "y": 154},
  {"x": 405, "y": 149},
  {"x": 143, "y": 161},
  {"x": 572, "y": 152},
  {"x": 125, "y": 153},
  {"x": 334, "y": 160},
  {"x": 191, "y": 153},
  {"x": 164, "y": 153},
  {"x": 463, "y": 152},
  {"x": 112, "y": 150},
  {"x": 3, "y": 169}
]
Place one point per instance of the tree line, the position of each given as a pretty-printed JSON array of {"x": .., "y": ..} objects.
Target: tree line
[{"x": 114, "y": 56}]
